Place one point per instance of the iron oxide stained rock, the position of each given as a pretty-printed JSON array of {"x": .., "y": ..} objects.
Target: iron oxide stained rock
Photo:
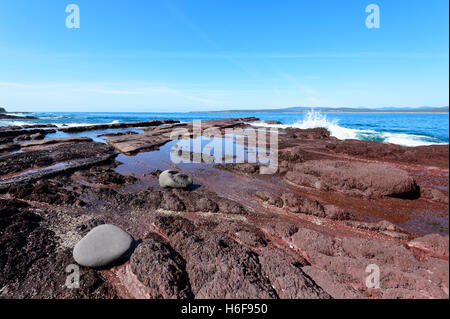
[
  {"x": 174, "y": 179},
  {"x": 103, "y": 246},
  {"x": 354, "y": 178},
  {"x": 434, "y": 243}
]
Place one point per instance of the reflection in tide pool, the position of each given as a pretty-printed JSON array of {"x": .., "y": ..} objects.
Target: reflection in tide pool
[{"x": 198, "y": 153}]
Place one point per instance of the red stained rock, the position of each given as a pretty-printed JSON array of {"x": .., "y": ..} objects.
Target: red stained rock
[
  {"x": 288, "y": 279},
  {"x": 434, "y": 194},
  {"x": 354, "y": 178},
  {"x": 434, "y": 243},
  {"x": 218, "y": 267},
  {"x": 269, "y": 198},
  {"x": 331, "y": 284},
  {"x": 161, "y": 269},
  {"x": 435, "y": 155}
]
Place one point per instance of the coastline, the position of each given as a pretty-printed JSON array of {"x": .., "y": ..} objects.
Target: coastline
[
  {"x": 297, "y": 220},
  {"x": 408, "y": 129}
]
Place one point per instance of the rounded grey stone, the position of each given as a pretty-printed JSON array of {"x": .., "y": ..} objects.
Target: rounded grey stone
[
  {"x": 174, "y": 179},
  {"x": 104, "y": 245}
]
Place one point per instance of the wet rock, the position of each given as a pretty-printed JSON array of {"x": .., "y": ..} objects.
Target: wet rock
[
  {"x": 15, "y": 117},
  {"x": 5, "y": 148},
  {"x": 37, "y": 158},
  {"x": 117, "y": 134},
  {"x": 244, "y": 168},
  {"x": 174, "y": 179},
  {"x": 103, "y": 246},
  {"x": 132, "y": 144},
  {"x": 40, "y": 143},
  {"x": 75, "y": 129},
  {"x": 6, "y": 140},
  {"x": 354, "y": 178},
  {"x": 16, "y": 131},
  {"x": 22, "y": 138}
]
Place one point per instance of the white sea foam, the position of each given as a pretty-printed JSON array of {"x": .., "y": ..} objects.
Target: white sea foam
[
  {"x": 315, "y": 119},
  {"x": 59, "y": 125},
  {"x": 13, "y": 123},
  {"x": 408, "y": 139}
]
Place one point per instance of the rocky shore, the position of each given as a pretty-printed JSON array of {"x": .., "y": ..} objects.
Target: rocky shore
[
  {"x": 313, "y": 229},
  {"x": 4, "y": 116}
]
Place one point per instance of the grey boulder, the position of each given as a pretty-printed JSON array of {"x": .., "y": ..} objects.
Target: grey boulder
[
  {"x": 103, "y": 246},
  {"x": 174, "y": 179}
]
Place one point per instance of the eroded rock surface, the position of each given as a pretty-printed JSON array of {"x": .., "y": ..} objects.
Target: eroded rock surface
[
  {"x": 357, "y": 179},
  {"x": 309, "y": 231}
]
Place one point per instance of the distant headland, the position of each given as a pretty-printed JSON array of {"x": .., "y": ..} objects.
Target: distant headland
[{"x": 5, "y": 116}]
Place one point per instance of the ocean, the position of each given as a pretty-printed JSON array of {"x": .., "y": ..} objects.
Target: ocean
[{"x": 408, "y": 129}]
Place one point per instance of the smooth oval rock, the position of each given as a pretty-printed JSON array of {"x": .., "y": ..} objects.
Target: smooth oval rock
[
  {"x": 104, "y": 245},
  {"x": 174, "y": 179}
]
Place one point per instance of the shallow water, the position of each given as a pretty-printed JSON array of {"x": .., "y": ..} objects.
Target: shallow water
[
  {"x": 95, "y": 135},
  {"x": 182, "y": 154}
]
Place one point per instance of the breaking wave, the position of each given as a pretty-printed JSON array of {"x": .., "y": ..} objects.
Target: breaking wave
[{"x": 315, "y": 120}]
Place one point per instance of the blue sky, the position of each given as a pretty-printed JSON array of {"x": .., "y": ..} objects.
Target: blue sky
[{"x": 192, "y": 55}]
